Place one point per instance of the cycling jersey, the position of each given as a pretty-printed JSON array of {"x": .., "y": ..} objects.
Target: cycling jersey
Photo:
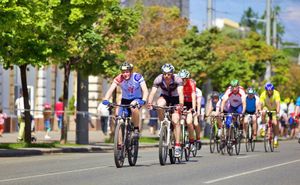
[
  {"x": 170, "y": 90},
  {"x": 188, "y": 89},
  {"x": 270, "y": 102},
  {"x": 131, "y": 88},
  {"x": 235, "y": 100},
  {"x": 251, "y": 104}
]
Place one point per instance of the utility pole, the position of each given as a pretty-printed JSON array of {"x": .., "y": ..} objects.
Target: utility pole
[
  {"x": 268, "y": 38},
  {"x": 209, "y": 14}
]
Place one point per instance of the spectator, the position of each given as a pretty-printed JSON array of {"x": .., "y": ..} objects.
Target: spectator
[
  {"x": 3, "y": 116},
  {"x": 103, "y": 112},
  {"x": 47, "y": 120},
  {"x": 59, "y": 110},
  {"x": 19, "y": 104},
  {"x": 153, "y": 121}
]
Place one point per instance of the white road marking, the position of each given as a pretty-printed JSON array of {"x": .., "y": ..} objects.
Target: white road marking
[
  {"x": 252, "y": 171},
  {"x": 62, "y": 172},
  {"x": 247, "y": 156}
]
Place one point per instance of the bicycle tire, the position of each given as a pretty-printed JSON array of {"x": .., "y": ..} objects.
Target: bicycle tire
[
  {"x": 266, "y": 139},
  {"x": 163, "y": 145},
  {"x": 133, "y": 148},
  {"x": 194, "y": 152},
  {"x": 238, "y": 139},
  {"x": 119, "y": 150},
  {"x": 252, "y": 145},
  {"x": 230, "y": 141},
  {"x": 271, "y": 139},
  {"x": 248, "y": 138},
  {"x": 212, "y": 139},
  {"x": 172, "y": 149}
]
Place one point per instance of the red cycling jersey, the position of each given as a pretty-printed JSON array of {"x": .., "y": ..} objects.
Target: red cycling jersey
[{"x": 188, "y": 88}]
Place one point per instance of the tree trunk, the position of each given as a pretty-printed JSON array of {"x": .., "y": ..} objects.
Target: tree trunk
[
  {"x": 112, "y": 121},
  {"x": 64, "y": 129},
  {"x": 26, "y": 104}
]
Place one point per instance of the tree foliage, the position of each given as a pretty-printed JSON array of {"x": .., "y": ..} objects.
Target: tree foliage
[
  {"x": 159, "y": 34},
  {"x": 24, "y": 31}
]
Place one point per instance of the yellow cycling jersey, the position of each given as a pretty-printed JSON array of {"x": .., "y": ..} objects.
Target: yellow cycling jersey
[{"x": 270, "y": 102}]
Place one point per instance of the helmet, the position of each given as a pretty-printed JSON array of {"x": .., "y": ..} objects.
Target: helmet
[
  {"x": 126, "y": 66},
  {"x": 184, "y": 73},
  {"x": 269, "y": 86},
  {"x": 168, "y": 68},
  {"x": 250, "y": 90},
  {"x": 234, "y": 83},
  {"x": 215, "y": 94}
]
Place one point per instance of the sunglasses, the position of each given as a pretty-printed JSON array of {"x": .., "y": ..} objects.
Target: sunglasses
[{"x": 168, "y": 74}]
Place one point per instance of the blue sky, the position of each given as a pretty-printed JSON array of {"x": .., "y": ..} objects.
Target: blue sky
[{"x": 233, "y": 9}]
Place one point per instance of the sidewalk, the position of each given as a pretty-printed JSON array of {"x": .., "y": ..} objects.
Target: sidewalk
[{"x": 96, "y": 144}]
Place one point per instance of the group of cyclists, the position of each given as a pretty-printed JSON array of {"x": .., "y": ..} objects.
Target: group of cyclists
[{"x": 180, "y": 90}]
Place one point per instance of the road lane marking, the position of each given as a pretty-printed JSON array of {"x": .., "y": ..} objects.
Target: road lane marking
[
  {"x": 247, "y": 156},
  {"x": 252, "y": 171},
  {"x": 51, "y": 174},
  {"x": 62, "y": 172}
]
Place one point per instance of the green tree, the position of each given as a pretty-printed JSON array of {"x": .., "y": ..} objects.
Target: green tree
[
  {"x": 24, "y": 37},
  {"x": 195, "y": 54},
  {"x": 88, "y": 37},
  {"x": 155, "y": 44}
]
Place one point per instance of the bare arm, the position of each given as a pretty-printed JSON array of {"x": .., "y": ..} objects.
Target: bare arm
[
  {"x": 194, "y": 103},
  {"x": 144, "y": 90},
  {"x": 110, "y": 91},
  {"x": 151, "y": 95},
  {"x": 180, "y": 93}
]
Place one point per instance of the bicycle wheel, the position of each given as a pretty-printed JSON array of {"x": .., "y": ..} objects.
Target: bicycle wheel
[
  {"x": 252, "y": 140},
  {"x": 163, "y": 145},
  {"x": 252, "y": 145},
  {"x": 119, "y": 146},
  {"x": 194, "y": 152},
  {"x": 187, "y": 146},
  {"x": 271, "y": 139},
  {"x": 133, "y": 148},
  {"x": 172, "y": 149},
  {"x": 230, "y": 141},
  {"x": 212, "y": 139},
  {"x": 266, "y": 139},
  {"x": 248, "y": 138},
  {"x": 223, "y": 142},
  {"x": 237, "y": 138}
]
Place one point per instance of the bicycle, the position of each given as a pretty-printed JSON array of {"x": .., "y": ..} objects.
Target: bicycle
[
  {"x": 249, "y": 141},
  {"x": 233, "y": 134},
  {"x": 125, "y": 145},
  {"x": 214, "y": 140},
  {"x": 166, "y": 137},
  {"x": 186, "y": 146},
  {"x": 269, "y": 133}
]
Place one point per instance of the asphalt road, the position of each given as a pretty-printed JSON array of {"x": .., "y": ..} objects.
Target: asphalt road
[{"x": 277, "y": 168}]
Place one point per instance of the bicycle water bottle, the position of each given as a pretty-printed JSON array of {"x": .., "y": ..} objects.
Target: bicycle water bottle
[{"x": 228, "y": 121}]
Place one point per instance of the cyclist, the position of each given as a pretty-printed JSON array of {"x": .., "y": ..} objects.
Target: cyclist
[
  {"x": 235, "y": 96},
  {"x": 171, "y": 95},
  {"x": 190, "y": 101},
  {"x": 270, "y": 101},
  {"x": 297, "y": 115},
  {"x": 213, "y": 109},
  {"x": 252, "y": 108},
  {"x": 134, "y": 92}
]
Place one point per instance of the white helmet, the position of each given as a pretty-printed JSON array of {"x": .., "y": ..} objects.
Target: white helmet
[
  {"x": 168, "y": 68},
  {"x": 126, "y": 66},
  {"x": 184, "y": 73}
]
